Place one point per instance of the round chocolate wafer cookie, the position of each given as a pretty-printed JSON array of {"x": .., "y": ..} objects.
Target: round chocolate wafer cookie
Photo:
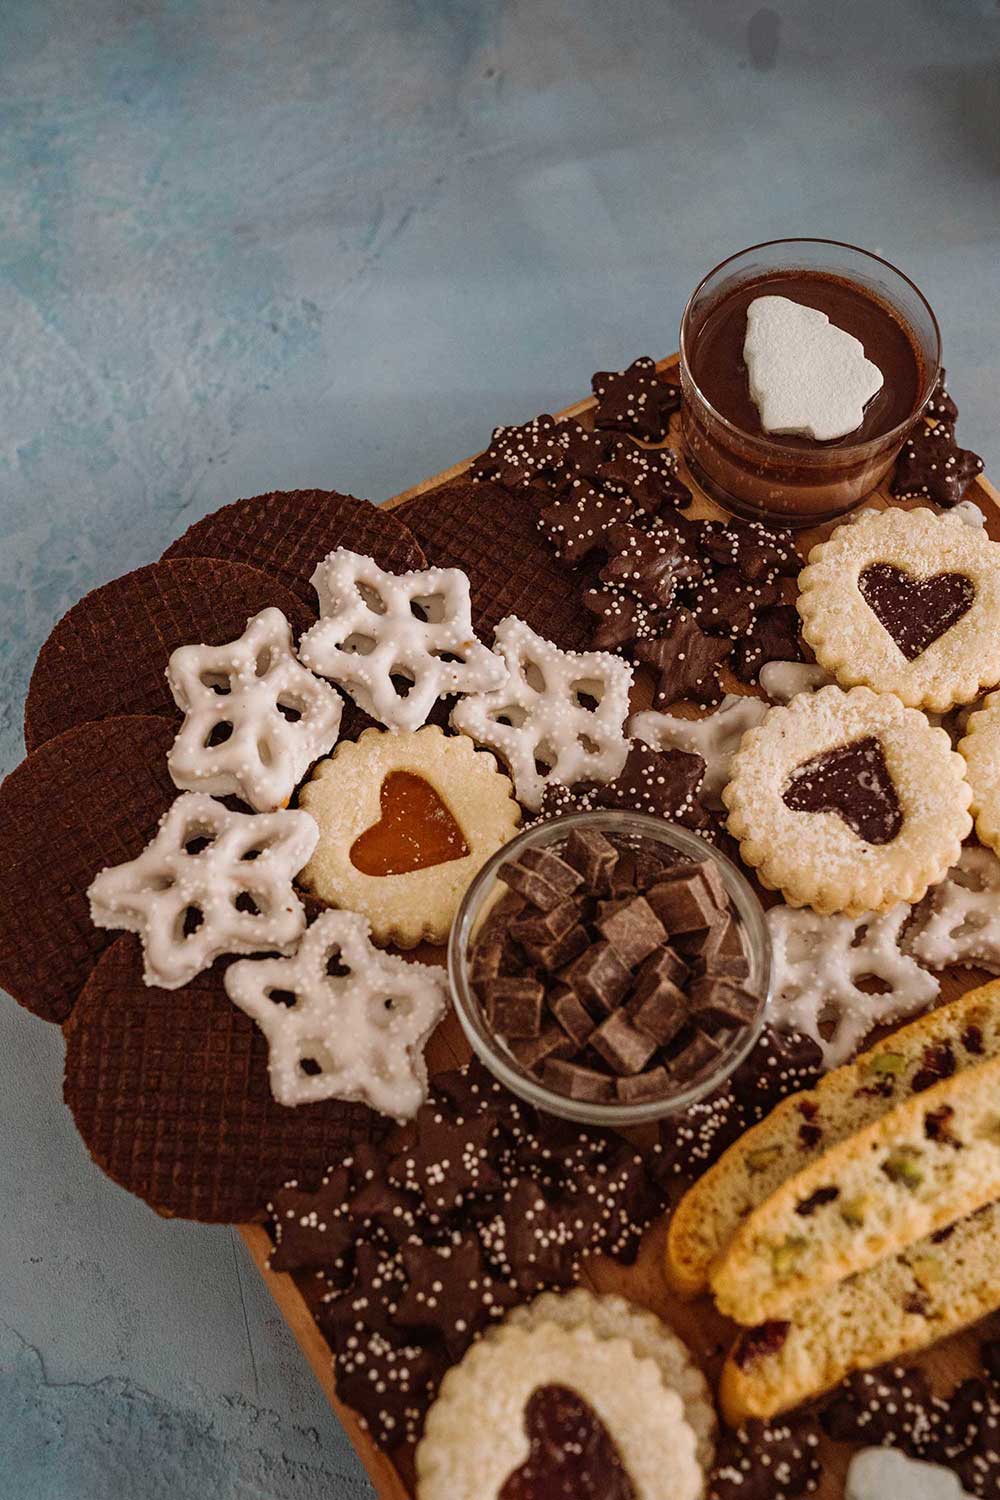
[
  {"x": 89, "y": 798},
  {"x": 493, "y": 536},
  {"x": 169, "y": 1089},
  {"x": 287, "y": 532},
  {"x": 108, "y": 655}
]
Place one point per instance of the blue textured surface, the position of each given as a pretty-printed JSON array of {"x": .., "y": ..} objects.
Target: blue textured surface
[{"x": 247, "y": 244}]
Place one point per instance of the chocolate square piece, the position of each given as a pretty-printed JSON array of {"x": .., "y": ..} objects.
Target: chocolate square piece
[
  {"x": 634, "y": 931},
  {"x": 542, "y": 927},
  {"x": 577, "y": 1082},
  {"x": 559, "y": 951},
  {"x": 541, "y": 877},
  {"x": 684, "y": 903},
  {"x": 723, "y": 952},
  {"x": 623, "y": 1046},
  {"x": 531, "y": 1052},
  {"x": 721, "y": 1002},
  {"x": 659, "y": 1008},
  {"x": 663, "y": 964},
  {"x": 487, "y": 954},
  {"x": 623, "y": 875},
  {"x": 594, "y": 857},
  {"x": 599, "y": 978},
  {"x": 514, "y": 1006},
  {"x": 636, "y": 1089},
  {"x": 572, "y": 1015},
  {"x": 698, "y": 1054}
]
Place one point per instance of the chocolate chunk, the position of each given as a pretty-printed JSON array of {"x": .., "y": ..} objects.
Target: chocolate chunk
[
  {"x": 634, "y": 931},
  {"x": 776, "y": 635},
  {"x": 541, "y": 877},
  {"x": 573, "y": 1016},
  {"x": 623, "y": 1046},
  {"x": 915, "y": 611},
  {"x": 931, "y": 463},
  {"x": 659, "y": 1008},
  {"x": 561, "y": 951},
  {"x": 698, "y": 1054},
  {"x": 593, "y": 857},
  {"x": 854, "y": 782},
  {"x": 576, "y": 1081},
  {"x": 599, "y": 978},
  {"x": 514, "y": 1006},
  {"x": 721, "y": 1003},
  {"x": 551, "y": 1041},
  {"x": 686, "y": 660},
  {"x": 542, "y": 927},
  {"x": 639, "y": 1087},
  {"x": 684, "y": 903},
  {"x": 666, "y": 964},
  {"x": 638, "y": 400},
  {"x": 723, "y": 952}
]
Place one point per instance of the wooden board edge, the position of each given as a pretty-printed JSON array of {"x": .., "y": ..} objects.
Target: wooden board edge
[{"x": 292, "y": 1306}]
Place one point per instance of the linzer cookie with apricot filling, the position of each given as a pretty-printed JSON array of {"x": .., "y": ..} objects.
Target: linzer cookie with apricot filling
[
  {"x": 906, "y": 602},
  {"x": 848, "y": 801}
]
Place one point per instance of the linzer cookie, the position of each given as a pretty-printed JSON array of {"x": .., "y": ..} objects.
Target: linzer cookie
[
  {"x": 981, "y": 751},
  {"x": 287, "y": 532},
  {"x": 169, "y": 1089},
  {"x": 82, "y": 672},
  {"x": 88, "y": 798},
  {"x": 405, "y": 822},
  {"x": 848, "y": 801},
  {"x": 556, "y": 1412},
  {"x": 493, "y": 536},
  {"x": 906, "y": 602}
]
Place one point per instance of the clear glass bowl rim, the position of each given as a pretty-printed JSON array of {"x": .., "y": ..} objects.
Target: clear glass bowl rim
[
  {"x": 851, "y": 452},
  {"x": 492, "y": 1055}
]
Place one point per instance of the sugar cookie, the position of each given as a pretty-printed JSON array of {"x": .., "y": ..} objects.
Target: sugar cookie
[
  {"x": 981, "y": 751},
  {"x": 848, "y": 801},
  {"x": 906, "y": 602},
  {"x": 405, "y": 822}
]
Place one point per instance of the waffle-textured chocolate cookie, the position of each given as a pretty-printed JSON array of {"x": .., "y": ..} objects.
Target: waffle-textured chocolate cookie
[
  {"x": 170, "y": 1092},
  {"x": 493, "y": 536},
  {"x": 108, "y": 654},
  {"x": 89, "y": 798},
  {"x": 287, "y": 532}
]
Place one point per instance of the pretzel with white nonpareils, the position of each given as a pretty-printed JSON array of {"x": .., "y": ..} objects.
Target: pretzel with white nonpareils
[
  {"x": 211, "y": 882},
  {"x": 415, "y": 627},
  {"x": 352, "y": 1020},
  {"x": 254, "y": 719},
  {"x": 958, "y": 921},
  {"x": 716, "y": 738},
  {"x": 817, "y": 963},
  {"x": 539, "y": 721}
]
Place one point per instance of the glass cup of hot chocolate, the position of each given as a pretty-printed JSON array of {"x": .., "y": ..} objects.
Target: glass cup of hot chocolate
[{"x": 804, "y": 365}]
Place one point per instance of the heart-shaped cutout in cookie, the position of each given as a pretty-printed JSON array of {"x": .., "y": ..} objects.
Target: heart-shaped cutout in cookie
[
  {"x": 915, "y": 611},
  {"x": 852, "y": 781},
  {"x": 416, "y": 830},
  {"x": 572, "y": 1456}
]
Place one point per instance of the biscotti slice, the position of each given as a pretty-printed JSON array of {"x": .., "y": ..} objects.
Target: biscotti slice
[
  {"x": 925, "y": 1164},
  {"x": 804, "y": 1125},
  {"x": 940, "y": 1284}
]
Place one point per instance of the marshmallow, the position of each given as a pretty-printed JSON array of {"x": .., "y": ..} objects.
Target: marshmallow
[{"x": 807, "y": 376}]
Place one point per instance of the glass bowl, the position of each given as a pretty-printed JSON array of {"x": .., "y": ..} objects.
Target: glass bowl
[{"x": 634, "y": 828}]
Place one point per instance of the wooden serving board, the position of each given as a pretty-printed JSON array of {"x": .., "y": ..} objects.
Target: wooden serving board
[{"x": 707, "y": 1333}]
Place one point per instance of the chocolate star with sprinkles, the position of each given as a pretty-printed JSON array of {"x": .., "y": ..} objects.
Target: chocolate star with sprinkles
[
  {"x": 663, "y": 783},
  {"x": 652, "y": 565},
  {"x": 451, "y": 1291},
  {"x": 584, "y": 451},
  {"x": 932, "y": 464},
  {"x": 891, "y": 1406},
  {"x": 578, "y": 524},
  {"x": 759, "y": 553},
  {"x": 372, "y": 1301},
  {"x": 726, "y": 604},
  {"x": 519, "y": 456},
  {"x": 391, "y": 1381},
  {"x": 449, "y": 1162},
  {"x": 536, "y": 1243},
  {"x": 314, "y": 1229},
  {"x": 637, "y": 400},
  {"x": 648, "y": 478},
  {"x": 775, "y": 1460},
  {"x": 686, "y": 660},
  {"x": 621, "y": 618},
  {"x": 776, "y": 635}
]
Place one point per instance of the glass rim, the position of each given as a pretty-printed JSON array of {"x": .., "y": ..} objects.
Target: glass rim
[
  {"x": 505, "y": 1067},
  {"x": 852, "y": 451}
]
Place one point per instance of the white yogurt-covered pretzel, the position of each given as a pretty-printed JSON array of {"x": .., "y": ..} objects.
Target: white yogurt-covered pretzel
[
  {"x": 818, "y": 962},
  {"x": 413, "y": 627},
  {"x": 211, "y": 882},
  {"x": 254, "y": 719},
  {"x": 356, "y": 1025},
  {"x": 958, "y": 922},
  {"x": 540, "y": 720},
  {"x": 716, "y": 738}
]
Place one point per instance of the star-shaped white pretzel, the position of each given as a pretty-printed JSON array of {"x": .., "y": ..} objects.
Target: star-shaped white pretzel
[
  {"x": 211, "y": 882},
  {"x": 541, "y": 720},
  {"x": 818, "y": 964},
  {"x": 958, "y": 921},
  {"x": 254, "y": 719},
  {"x": 351, "y": 1021},
  {"x": 378, "y": 629}
]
